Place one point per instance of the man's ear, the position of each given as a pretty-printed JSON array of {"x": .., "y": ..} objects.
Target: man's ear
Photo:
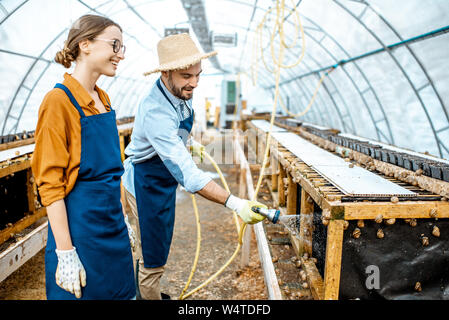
[{"x": 165, "y": 74}]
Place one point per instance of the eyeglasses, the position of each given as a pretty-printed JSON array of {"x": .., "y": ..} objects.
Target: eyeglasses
[{"x": 116, "y": 45}]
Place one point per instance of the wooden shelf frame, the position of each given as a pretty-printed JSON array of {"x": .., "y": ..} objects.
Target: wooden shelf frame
[{"x": 316, "y": 189}]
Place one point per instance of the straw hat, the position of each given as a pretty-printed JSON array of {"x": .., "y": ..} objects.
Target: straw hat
[{"x": 177, "y": 52}]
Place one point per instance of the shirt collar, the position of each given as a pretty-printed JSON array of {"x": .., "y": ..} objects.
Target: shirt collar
[
  {"x": 80, "y": 93},
  {"x": 175, "y": 100}
]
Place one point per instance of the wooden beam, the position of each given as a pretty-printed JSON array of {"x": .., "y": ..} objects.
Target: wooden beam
[
  {"x": 30, "y": 191},
  {"x": 122, "y": 147},
  {"x": 246, "y": 245},
  {"x": 23, "y": 223},
  {"x": 306, "y": 223},
  {"x": 402, "y": 209},
  {"x": 274, "y": 292},
  {"x": 332, "y": 269},
  {"x": 15, "y": 144},
  {"x": 291, "y": 195},
  {"x": 281, "y": 186},
  {"x": 16, "y": 255},
  {"x": 14, "y": 167},
  {"x": 314, "y": 279}
]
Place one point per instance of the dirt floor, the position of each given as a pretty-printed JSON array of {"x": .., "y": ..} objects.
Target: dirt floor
[{"x": 219, "y": 241}]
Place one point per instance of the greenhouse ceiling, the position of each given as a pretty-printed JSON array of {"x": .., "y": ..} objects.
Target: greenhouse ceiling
[{"x": 383, "y": 64}]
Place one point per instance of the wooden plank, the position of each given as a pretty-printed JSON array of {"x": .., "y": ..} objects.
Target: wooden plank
[
  {"x": 281, "y": 186},
  {"x": 402, "y": 209},
  {"x": 274, "y": 292},
  {"x": 332, "y": 269},
  {"x": 23, "y": 223},
  {"x": 30, "y": 191},
  {"x": 122, "y": 147},
  {"x": 16, "y": 255},
  {"x": 15, "y": 144},
  {"x": 306, "y": 223},
  {"x": 15, "y": 167},
  {"x": 246, "y": 245},
  {"x": 314, "y": 279},
  {"x": 274, "y": 181},
  {"x": 291, "y": 195}
]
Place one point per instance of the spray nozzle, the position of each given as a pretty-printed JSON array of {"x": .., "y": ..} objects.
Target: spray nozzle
[{"x": 270, "y": 214}]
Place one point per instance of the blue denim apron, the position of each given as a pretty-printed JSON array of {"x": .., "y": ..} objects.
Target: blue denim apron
[
  {"x": 95, "y": 216},
  {"x": 155, "y": 190}
]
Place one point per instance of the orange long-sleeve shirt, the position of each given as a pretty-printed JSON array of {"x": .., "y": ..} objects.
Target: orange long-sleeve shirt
[{"x": 57, "y": 154}]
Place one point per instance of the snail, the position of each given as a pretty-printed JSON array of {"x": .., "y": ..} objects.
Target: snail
[
  {"x": 425, "y": 241},
  {"x": 360, "y": 223},
  {"x": 436, "y": 231},
  {"x": 413, "y": 222},
  {"x": 345, "y": 224},
  {"x": 390, "y": 221},
  {"x": 394, "y": 199},
  {"x": 418, "y": 286},
  {"x": 356, "y": 233},
  {"x": 378, "y": 218},
  {"x": 433, "y": 213},
  {"x": 380, "y": 234}
]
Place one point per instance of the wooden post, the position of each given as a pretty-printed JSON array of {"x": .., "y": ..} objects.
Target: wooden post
[
  {"x": 30, "y": 192},
  {"x": 122, "y": 147},
  {"x": 332, "y": 269},
  {"x": 246, "y": 245},
  {"x": 281, "y": 186},
  {"x": 291, "y": 195},
  {"x": 274, "y": 173},
  {"x": 306, "y": 223}
]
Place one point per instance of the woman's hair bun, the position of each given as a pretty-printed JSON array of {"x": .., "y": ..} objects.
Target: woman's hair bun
[{"x": 64, "y": 57}]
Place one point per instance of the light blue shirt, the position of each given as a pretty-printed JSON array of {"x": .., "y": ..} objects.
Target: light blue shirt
[{"x": 155, "y": 132}]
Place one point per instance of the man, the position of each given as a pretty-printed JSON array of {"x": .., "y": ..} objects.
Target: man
[{"x": 158, "y": 160}]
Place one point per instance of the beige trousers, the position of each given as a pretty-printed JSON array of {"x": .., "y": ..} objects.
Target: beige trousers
[{"x": 149, "y": 278}]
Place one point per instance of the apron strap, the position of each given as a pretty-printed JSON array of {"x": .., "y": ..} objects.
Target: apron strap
[
  {"x": 158, "y": 82},
  {"x": 71, "y": 97},
  {"x": 107, "y": 100}
]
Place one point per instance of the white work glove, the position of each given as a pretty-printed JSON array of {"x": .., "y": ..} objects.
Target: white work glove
[
  {"x": 196, "y": 149},
  {"x": 70, "y": 274},
  {"x": 131, "y": 234},
  {"x": 243, "y": 209}
]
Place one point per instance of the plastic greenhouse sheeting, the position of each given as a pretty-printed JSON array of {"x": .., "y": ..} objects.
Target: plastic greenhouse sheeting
[{"x": 390, "y": 83}]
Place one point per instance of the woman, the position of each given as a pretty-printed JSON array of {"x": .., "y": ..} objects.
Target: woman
[{"x": 77, "y": 167}]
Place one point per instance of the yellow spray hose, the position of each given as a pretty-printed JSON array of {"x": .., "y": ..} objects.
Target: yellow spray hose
[{"x": 280, "y": 8}]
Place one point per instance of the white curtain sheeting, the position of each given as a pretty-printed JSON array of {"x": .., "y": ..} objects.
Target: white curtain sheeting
[{"x": 398, "y": 96}]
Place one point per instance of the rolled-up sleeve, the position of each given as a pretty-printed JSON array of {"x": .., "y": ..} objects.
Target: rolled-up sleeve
[
  {"x": 50, "y": 156},
  {"x": 161, "y": 130}
]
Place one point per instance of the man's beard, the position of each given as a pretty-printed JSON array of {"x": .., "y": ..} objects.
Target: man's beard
[{"x": 177, "y": 92}]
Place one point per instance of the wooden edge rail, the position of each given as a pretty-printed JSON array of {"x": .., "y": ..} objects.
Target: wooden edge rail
[
  {"x": 271, "y": 282},
  {"x": 362, "y": 209},
  {"x": 23, "y": 223},
  {"x": 16, "y": 255},
  {"x": 15, "y": 166},
  {"x": 314, "y": 279},
  {"x": 435, "y": 186}
]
